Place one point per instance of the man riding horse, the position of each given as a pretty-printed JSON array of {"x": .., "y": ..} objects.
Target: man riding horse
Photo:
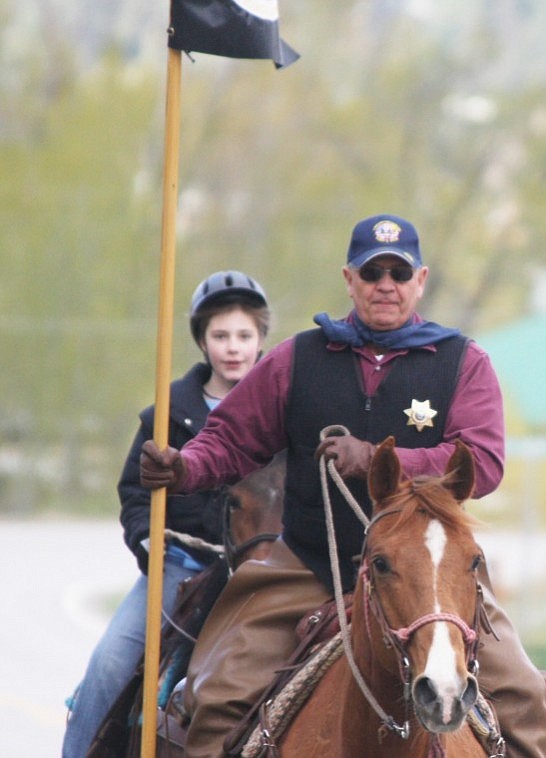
[{"x": 381, "y": 371}]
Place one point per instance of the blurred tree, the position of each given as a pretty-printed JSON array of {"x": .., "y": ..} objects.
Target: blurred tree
[{"x": 424, "y": 110}]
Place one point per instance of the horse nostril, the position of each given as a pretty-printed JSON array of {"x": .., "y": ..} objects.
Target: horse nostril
[{"x": 424, "y": 692}]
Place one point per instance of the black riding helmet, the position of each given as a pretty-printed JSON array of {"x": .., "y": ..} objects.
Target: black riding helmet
[{"x": 224, "y": 288}]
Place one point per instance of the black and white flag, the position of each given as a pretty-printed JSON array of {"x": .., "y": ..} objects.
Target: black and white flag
[{"x": 231, "y": 28}]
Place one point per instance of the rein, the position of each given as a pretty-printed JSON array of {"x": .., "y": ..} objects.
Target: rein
[
  {"x": 399, "y": 638},
  {"x": 388, "y": 721}
]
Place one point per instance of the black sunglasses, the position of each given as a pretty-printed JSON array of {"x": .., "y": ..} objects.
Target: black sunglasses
[{"x": 373, "y": 273}]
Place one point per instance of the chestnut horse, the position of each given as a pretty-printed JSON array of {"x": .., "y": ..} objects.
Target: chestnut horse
[{"x": 404, "y": 684}]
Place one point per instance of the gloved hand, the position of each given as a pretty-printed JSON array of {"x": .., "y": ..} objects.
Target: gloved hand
[
  {"x": 352, "y": 457},
  {"x": 161, "y": 468}
]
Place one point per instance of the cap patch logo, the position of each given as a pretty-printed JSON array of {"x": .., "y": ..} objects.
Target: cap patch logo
[{"x": 387, "y": 231}]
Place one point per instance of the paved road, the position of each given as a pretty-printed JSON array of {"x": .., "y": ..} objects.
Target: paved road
[
  {"x": 53, "y": 575},
  {"x": 51, "y": 579}
]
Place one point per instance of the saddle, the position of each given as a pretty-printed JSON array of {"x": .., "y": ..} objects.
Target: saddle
[{"x": 314, "y": 630}]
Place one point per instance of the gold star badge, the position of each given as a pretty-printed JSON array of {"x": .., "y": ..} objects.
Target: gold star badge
[{"x": 420, "y": 414}]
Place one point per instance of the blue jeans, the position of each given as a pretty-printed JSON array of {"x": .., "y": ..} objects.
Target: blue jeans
[{"x": 117, "y": 656}]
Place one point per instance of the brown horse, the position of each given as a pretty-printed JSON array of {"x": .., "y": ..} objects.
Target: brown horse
[
  {"x": 414, "y": 628},
  {"x": 251, "y": 512}
]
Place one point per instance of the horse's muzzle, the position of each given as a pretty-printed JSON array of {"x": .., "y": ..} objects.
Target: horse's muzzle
[{"x": 442, "y": 712}]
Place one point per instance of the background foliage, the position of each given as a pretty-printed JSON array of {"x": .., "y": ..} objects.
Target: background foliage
[{"x": 436, "y": 113}]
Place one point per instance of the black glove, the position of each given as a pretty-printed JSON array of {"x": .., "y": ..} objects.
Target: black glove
[
  {"x": 161, "y": 468},
  {"x": 352, "y": 457}
]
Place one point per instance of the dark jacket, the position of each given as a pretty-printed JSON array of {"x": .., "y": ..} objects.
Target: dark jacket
[
  {"x": 327, "y": 388},
  {"x": 197, "y": 514}
]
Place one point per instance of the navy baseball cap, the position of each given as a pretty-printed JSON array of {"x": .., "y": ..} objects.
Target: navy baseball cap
[{"x": 384, "y": 235}]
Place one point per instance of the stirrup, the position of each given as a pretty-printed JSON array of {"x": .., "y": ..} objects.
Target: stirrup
[{"x": 176, "y": 701}]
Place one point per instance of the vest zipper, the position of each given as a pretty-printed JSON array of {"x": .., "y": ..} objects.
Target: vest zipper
[{"x": 368, "y": 404}]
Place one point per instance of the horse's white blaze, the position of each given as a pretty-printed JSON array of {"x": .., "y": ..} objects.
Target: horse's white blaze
[
  {"x": 435, "y": 540},
  {"x": 440, "y": 667}
]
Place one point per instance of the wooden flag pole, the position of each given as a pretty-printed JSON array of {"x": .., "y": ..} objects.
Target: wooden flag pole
[{"x": 162, "y": 400}]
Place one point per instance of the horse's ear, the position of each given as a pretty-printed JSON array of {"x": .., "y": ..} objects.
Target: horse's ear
[
  {"x": 461, "y": 466},
  {"x": 384, "y": 473}
]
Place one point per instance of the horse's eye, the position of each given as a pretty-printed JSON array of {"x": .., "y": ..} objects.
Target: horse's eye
[
  {"x": 476, "y": 562},
  {"x": 381, "y": 564},
  {"x": 232, "y": 501}
]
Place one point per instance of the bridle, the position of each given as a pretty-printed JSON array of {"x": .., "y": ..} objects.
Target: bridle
[
  {"x": 232, "y": 551},
  {"x": 399, "y": 638},
  {"x": 396, "y": 638}
]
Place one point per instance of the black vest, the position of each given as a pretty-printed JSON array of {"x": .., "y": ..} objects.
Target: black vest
[{"x": 327, "y": 388}]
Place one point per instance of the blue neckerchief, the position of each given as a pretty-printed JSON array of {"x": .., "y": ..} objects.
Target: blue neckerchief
[{"x": 355, "y": 333}]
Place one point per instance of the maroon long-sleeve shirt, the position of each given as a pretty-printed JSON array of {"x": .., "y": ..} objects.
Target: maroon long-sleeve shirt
[{"x": 248, "y": 426}]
